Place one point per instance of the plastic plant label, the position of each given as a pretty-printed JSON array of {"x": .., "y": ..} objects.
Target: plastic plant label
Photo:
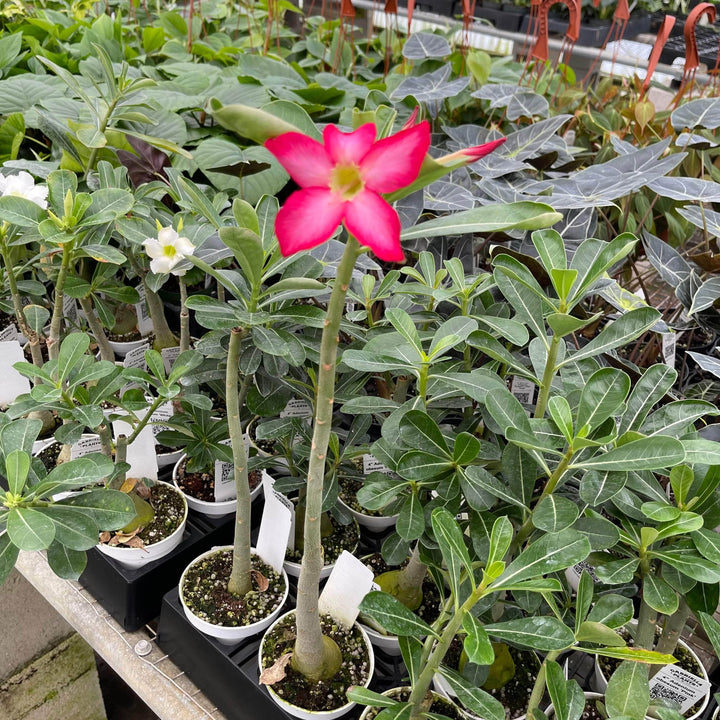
[
  {"x": 169, "y": 356},
  {"x": 298, "y": 408},
  {"x": 136, "y": 357},
  {"x": 144, "y": 321},
  {"x": 164, "y": 412},
  {"x": 13, "y": 383},
  {"x": 277, "y": 521},
  {"x": 141, "y": 452},
  {"x": 577, "y": 570},
  {"x": 349, "y": 582},
  {"x": 70, "y": 308},
  {"x": 524, "y": 390},
  {"x": 669, "y": 343},
  {"x": 85, "y": 446},
  {"x": 372, "y": 464},
  {"x": 680, "y": 686},
  {"x": 9, "y": 334},
  {"x": 224, "y": 479}
]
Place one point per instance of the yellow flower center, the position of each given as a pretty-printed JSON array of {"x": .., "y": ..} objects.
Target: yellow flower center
[
  {"x": 346, "y": 181},
  {"x": 169, "y": 251}
]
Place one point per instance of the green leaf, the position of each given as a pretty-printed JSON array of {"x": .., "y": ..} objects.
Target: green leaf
[
  {"x": 402, "y": 322},
  {"x": 486, "y": 219},
  {"x": 74, "y": 527},
  {"x": 29, "y": 529},
  {"x": 247, "y": 249},
  {"x": 507, "y": 411},
  {"x": 621, "y": 331},
  {"x": 598, "y": 486},
  {"x": 660, "y": 511},
  {"x": 72, "y": 348},
  {"x": 19, "y": 211},
  {"x": 694, "y": 566},
  {"x": 617, "y": 572},
  {"x": 20, "y": 435},
  {"x": 411, "y": 651},
  {"x": 419, "y": 431},
  {"x": 554, "y": 513},
  {"x": 500, "y": 538},
  {"x": 603, "y": 394},
  {"x": 65, "y": 562},
  {"x": 452, "y": 546},
  {"x": 598, "y": 633},
  {"x": 111, "y": 509},
  {"x": 477, "y": 644},
  {"x": 707, "y": 543},
  {"x": 391, "y": 614},
  {"x": 551, "y": 248},
  {"x": 583, "y": 598},
  {"x": 466, "y": 448},
  {"x": 652, "y": 453},
  {"x": 681, "y": 480},
  {"x": 538, "y": 633},
  {"x": 369, "y": 697},
  {"x": 8, "y": 556},
  {"x": 687, "y": 522},
  {"x": 17, "y": 467},
  {"x": 563, "y": 324},
  {"x": 548, "y": 554},
  {"x": 410, "y": 524},
  {"x": 712, "y": 629},
  {"x": 561, "y": 414},
  {"x": 563, "y": 281},
  {"x": 473, "y": 698},
  {"x": 648, "y": 390},
  {"x": 659, "y": 595},
  {"x": 628, "y": 691},
  {"x": 612, "y": 610},
  {"x": 637, "y": 655}
]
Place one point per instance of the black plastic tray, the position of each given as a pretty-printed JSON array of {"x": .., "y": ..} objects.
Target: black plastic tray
[{"x": 228, "y": 675}]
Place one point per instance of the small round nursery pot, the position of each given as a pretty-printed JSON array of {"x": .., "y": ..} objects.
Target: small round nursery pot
[
  {"x": 226, "y": 634},
  {"x": 137, "y": 557},
  {"x": 448, "y": 707},
  {"x": 302, "y": 713},
  {"x": 213, "y": 509},
  {"x": 121, "y": 349},
  {"x": 600, "y": 682}
]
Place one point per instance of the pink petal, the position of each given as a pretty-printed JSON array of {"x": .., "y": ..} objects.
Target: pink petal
[
  {"x": 305, "y": 159},
  {"x": 394, "y": 162},
  {"x": 479, "y": 151},
  {"x": 375, "y": 224},
  {"x": 348, "y": 148},
  {"x": 308, "y": 218}
]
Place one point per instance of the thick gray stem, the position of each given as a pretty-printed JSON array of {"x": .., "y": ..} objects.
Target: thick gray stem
[{"x": 106, "y": 352}]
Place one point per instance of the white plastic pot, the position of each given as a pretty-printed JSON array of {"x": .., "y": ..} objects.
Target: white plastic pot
[
  {"x": 167, "y": 459},
  {"x": 213, "y": 509},
  {"x": 600, "y": 682},
  {"x": 550, "y": 711},
  {"x": 137, "y": 557},
  {"x": 225, "y": 634},
  {"x": 373, "y": 523},
  {"x": 299, "y": 712},
  {"x": 293, "y": 568},
  {"x": 121, "y": 349}
]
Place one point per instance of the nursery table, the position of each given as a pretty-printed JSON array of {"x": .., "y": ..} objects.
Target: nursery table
[{"x": 133, "y": 656}]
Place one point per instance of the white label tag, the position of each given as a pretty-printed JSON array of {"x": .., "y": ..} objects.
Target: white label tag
[
  {"x": 372, "y": 464},
  {"x": 224, "y": 479},
  {"x": 141, "y": 452},
  {"x": 680, "y": 686},
  {"x": 70, "y": 309},
  {"x": 583, "y": 565},
  {"x": 349, "y": 307},
  {"x": 298, "y": 408},
  {"x": 136, "y": 358},
  {"x": 349, "y": 582},
  {"x": 277, "y": 522},
  {"x": 169, "y": 356},
  {"x": 85, "y": 446},
  {"x": 164, "y": 412},
  {"x": 144, "y": 321},
  {"x": 523, "y": 389},
  {"x": 9, "y": 334},
  {"x": 669, "y": 342},
  {"x": 13, "y": 383}
]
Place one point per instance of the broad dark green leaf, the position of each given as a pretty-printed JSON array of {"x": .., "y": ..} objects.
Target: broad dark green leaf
[
  {"x": 364, "y": 696},
  {"x": 603, "y": 394},
  {"x": 420, "y": 432},
  {"x": 473, "y": 698},
  {"x": 694, "y": 566},
  {"x": 65, "y": 562},
  {"x": 411, "y": 520},
  {"x": 455, "y": 554},
  {"x": 8, "y": 556},
  {"x": 651, "y": 453},
  {"x": 111, "y": 509},
  {"x": 554, "y": 513},
  {"x": 538, "y": 633},
  {"x": 628, "y": 691},
  {"x": 29, "y": 529},
  {"x": 391, "y": 614},
  {"x": 612, "y": 610},
  {"x": 74, "y": 528},
  {"x": 477, "y": 644},
  {"x": 617, "y": 572}
]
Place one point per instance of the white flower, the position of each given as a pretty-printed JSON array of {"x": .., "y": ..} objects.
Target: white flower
[
  {"x": 22, "y": 185},
  {"x": 167, "y": 250}
]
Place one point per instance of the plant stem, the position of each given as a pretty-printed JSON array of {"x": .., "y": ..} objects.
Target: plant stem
[
  {"x": 184, "y": 317},
  {"x": 103, "y": 126},
  {"x": 548, "y": 376},
  {"x": 106, "y": 352},
  {"x": 105, "y": 436},
  {"x": 647, "y": 618},
  {"x": 164, "y": 337},
  {"x": 26, "y": 330},
  {"x": 527, "y": 527},
  {"x": 120, "y": 457},
  {"x": 308, "y": 656},
  {"x": 539, "y": 688},
  {"x": 156, "y": 403},
  {"x": 53, "y": 342},
  {"x": 240, "y": 579},
  {"x": 671, "y": 632},
  {"x": 412, "y": 576}
]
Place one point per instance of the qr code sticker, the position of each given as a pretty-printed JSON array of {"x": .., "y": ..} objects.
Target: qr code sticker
[{"x": 663, "y": 692}]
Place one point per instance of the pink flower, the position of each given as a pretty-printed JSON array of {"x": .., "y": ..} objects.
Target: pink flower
[{"x": 343, "y": 180}]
